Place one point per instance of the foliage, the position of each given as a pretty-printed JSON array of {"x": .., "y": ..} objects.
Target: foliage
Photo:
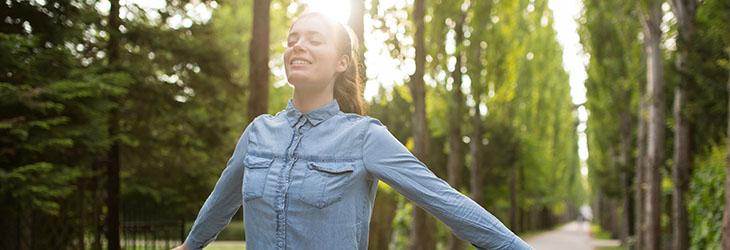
[
  {"x": 612, "y": 38},
  {"x": 706, "y": 198}
]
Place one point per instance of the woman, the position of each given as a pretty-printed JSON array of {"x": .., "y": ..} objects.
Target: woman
[{"x": 309, "y": 174}]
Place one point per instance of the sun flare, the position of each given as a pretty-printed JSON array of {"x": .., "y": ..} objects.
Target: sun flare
[{"x": 335, "y": 9}]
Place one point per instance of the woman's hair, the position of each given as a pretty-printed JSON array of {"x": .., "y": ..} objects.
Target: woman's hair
[{"x": 348, "y": 87}]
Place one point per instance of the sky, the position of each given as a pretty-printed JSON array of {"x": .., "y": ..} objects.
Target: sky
[{"x": 566, "y": 13}]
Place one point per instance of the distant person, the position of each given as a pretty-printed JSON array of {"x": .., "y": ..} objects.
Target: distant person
[{"x": 307, "y": 176}]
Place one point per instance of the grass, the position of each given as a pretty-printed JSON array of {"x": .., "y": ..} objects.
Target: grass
[
  {"x": 226, "y": 245},
  {"x": 611, "y": 248},
  {"x": 598, "y": 233}
]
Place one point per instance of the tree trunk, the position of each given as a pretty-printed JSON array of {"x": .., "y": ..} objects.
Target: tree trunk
[
  {"x": 381, "y": 228},
  {"x": 684, "y": 11},
  {"x": 513, "y": 208},
  {"x": 640, "y": 186},
  {"x": 421, "y": 231},
  {"x": 655, "y": 124},
  {"x": 258, "y": 71},
  {"x": 680, "y": 173},
  {"x": 455, "y": 161},
  {"x": 627, "y": 223},
  {"x": 726, "y": 213},
  {"x": 476, "y": 139},
  {"x": 113, "y": 157},
  {"x": 96, "y": 214}
]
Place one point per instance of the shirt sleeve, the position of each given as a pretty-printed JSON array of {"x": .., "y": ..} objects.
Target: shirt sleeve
[
  {"x": 223, "y": 202},
  {"x": 388, "y": 160}
]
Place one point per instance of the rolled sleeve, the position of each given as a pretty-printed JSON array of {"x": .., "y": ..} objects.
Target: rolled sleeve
[{"x": 388, "y": 160}]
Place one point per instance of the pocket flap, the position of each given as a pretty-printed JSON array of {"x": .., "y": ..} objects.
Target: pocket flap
[
  {"x": 252, "y": 161},
  {"x": 332, "y": 167}
]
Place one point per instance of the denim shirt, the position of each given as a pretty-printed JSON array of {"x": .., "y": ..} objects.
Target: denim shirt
[{"x": 308, "y": 181}]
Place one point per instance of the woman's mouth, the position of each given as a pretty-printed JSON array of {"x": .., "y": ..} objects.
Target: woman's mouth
[{"x": 300, "y": 61}]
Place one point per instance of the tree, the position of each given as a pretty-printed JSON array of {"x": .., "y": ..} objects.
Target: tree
[
  {"x": 651, "y": 19},
  {"x": 54, "y": 118},
  {"x": 113, "y": 157},
  {"x": 259, "y": 56},
  {"x": 421, "y": 235},
  {"x": 455, "y": 162},
  {"x": 684, "y": 11},
  {"x": 726, "y": 214},
  {"x": 609, "y": 36},
  {"x": 475, "y": 145}
]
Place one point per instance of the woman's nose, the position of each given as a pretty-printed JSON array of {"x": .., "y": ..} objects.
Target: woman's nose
[{"x": 298, "y": 46}]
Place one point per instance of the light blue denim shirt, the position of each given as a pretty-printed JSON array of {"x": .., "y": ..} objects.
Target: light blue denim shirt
[{"x": 308, "y": 181}]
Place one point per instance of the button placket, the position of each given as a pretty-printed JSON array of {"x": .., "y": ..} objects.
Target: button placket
[{"x": 284, "y": 181}]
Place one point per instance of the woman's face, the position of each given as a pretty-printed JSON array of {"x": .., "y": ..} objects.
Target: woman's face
[{"x": 311, "y": 59}]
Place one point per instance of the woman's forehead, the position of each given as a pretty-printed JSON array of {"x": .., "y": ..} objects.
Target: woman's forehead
[{"x": 311, "y": 25}]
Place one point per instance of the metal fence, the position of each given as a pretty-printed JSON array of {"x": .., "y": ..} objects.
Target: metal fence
[{"x": 150, "y": 235}]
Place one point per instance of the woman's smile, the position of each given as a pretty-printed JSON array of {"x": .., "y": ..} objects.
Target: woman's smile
[{"x": 299, "y": 62}]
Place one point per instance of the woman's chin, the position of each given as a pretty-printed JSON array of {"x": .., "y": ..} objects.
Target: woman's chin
[{"x": 299, "y": 82}]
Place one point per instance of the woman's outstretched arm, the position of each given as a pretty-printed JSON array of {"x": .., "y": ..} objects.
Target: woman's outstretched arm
[
  {"x": 388, "y": 160},
  {"x": 223, "y": 202}
]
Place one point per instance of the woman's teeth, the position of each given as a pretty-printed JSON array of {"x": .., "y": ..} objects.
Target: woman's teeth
[{"x": 299, "y": 62}]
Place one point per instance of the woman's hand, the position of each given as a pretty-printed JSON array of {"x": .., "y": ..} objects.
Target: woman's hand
[{"x": 181, "y": 247}]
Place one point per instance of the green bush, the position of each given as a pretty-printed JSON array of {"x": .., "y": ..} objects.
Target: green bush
[{"x": 706, "y": 196}]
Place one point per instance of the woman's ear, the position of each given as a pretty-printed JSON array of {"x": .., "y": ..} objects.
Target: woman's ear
[{"x": 342, "y": 63}]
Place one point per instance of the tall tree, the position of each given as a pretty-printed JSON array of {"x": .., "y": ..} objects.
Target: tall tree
[
  {"x": 476, "y": 72},
  {"x": 640, "y": 180},
  {"x": 455, "y": 161},
  {"x": 651, "y": 20},
  {"x": 609, "y": 35},
  {"x": 640, "y": 168},
  {"x": 421, "y": 233},
  {"x": 684, "y": 11},
  {"x": 475, "y": 144},
  {"x": 726, "y": 212},
  {"x": 258, "y": 99},
  {"x": 113, "y": 157}
]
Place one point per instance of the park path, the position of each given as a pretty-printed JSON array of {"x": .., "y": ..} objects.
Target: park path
[{"x": 571, "y": 236}]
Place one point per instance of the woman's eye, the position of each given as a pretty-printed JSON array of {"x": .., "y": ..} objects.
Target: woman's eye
[
  {"x": 290, "y": 43},
  {"x": 315, "y": 42}
]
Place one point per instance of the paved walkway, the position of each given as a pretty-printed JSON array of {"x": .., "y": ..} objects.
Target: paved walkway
[{"x": 573, "y": 236}]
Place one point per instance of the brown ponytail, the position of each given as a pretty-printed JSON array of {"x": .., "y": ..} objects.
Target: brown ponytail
[{"x": 348, "y": 89}]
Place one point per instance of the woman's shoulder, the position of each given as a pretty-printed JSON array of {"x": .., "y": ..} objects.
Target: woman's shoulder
[{"x": 366, "y": 120}]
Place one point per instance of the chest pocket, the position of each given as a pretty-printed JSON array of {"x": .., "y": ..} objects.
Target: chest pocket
[
  {"x": 325, "y": 182},
  {"x": 254, "y": 177}
]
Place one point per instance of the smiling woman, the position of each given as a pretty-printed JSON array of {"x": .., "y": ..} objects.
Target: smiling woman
[{"x": 307, "y": 176}]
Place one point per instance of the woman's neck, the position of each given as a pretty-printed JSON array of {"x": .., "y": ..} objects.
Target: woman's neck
[{"x": 305, "y": 102}]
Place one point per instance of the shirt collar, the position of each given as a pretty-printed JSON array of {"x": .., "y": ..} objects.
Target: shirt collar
[{"x": 315, "y": 116}]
